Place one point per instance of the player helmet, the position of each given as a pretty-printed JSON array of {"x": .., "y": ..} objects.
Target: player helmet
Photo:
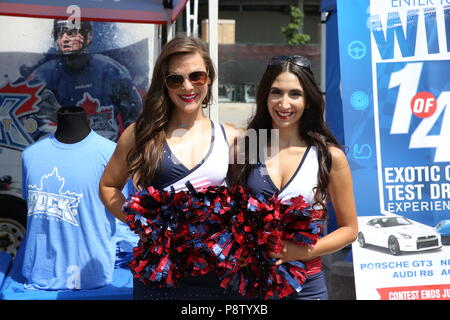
[{"x": 67, "y": 26}]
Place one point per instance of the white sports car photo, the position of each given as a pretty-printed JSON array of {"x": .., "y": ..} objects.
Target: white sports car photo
[{"x": 398, "y": 234}]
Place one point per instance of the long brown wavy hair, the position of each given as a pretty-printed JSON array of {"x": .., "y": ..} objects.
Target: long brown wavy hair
[
  {"x": 145, "y": 155},
  {"x": 312, "y": 127}
]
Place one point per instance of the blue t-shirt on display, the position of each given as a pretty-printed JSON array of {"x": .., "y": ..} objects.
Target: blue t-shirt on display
[
  {"x": 126, "y": 239},
  {"x": 70, "y": 239}
]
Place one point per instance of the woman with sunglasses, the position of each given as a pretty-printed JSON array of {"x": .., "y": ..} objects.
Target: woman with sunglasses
[
  {"x": 308, "y": 161},
  {"x": 172, "y": 142}
]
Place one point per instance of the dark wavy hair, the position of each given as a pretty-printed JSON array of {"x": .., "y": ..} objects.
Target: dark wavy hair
[
  {"x": 145, "y": 155},
  {"x": 312, "y": 127}
]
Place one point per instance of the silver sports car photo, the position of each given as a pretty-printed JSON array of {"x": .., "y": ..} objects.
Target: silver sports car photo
[{"x": 398, "y": 234}]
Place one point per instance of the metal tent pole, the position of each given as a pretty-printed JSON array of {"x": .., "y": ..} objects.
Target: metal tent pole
[
  {"x": 213, "y": 19},
  {"x": 191, "y": 19}
]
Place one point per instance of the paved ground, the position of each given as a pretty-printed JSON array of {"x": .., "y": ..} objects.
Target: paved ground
[
  {"x": 236, "y": 113},
  {"x": 340, "y": 277},
  {"x": 339, "y": 272}
]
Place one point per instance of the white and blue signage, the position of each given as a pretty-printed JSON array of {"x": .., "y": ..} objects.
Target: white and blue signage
[{"x": 395, "y": 73}]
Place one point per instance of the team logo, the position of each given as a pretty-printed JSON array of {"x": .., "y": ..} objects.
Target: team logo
[
  {"x": 17, "y": 102},
  {"x": 101, "y": 118},
  {"x": 62, "y": 205}
]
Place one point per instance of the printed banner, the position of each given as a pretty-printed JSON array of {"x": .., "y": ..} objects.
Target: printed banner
[
  {"x": 101, "y": 67},
  {"x": 147, "y": 11},
  {"x": 395, "y": 62}
]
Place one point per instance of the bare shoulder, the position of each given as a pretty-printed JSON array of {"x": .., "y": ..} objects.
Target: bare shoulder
[
  {"x": 338, "y": 158},
  {"x": 233, "y": 132},
  {"x": 126, "y": 140},
  {"x": 127, "y": 135}
]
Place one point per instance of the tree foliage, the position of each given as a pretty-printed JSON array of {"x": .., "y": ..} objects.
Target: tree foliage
[{"x": 291, "y": 31}]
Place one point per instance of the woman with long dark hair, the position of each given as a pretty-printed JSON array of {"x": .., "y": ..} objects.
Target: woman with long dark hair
[
  {"x": 307, "y": 161},
  {"x": 171, "y": 143}
]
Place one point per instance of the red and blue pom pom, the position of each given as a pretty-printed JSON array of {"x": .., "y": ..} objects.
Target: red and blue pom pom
[
  {"x": 175, "y": 226},
  {"x": 247, "y": 240},
  {"x": 195, "y": 232}
]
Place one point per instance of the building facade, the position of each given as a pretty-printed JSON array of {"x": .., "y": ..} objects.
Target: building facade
[{"x": 249, "y": 33}]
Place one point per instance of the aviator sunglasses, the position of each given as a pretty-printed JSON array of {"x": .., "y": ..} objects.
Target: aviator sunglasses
[
  {"x": 297, "y": 60},
  {"x": 197, "y": 78}
]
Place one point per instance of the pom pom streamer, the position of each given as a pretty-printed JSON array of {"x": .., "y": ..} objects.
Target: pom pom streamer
[
  {"x": 246, "y": 239},
  {"x": 211, "y": 229},
  {"x": 175, "y": 226}
]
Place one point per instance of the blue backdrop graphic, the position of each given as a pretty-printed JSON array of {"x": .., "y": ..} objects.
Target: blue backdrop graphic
[{"x": 357, "y": 100}]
